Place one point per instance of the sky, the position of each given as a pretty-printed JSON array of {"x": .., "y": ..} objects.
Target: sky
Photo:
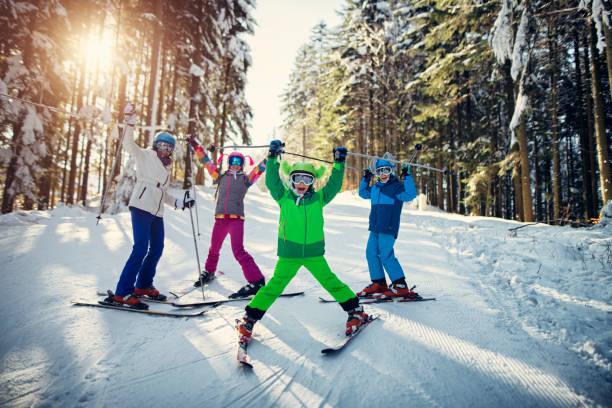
[{"x": 283, "y": 26}]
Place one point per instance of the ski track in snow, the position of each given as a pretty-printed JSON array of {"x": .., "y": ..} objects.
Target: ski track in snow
[{"x": 521, "y": 319}]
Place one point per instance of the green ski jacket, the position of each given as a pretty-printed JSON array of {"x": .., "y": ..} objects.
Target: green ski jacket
[{"x": 300, "y": 229}]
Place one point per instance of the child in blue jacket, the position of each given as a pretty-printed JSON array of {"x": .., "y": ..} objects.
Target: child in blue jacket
[{"x": 387, "y": 195}]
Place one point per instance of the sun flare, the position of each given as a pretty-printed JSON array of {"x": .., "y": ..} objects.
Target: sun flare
[{"x": 99, "y": 52}]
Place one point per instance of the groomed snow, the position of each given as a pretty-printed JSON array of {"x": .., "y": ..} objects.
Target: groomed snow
[{"x": 522, "y": 317}]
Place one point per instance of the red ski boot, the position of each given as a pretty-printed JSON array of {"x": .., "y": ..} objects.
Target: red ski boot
[
  {"x": 130, "y": 300},
  {"x": 245, "y": 329},
  {"x": 356, "y": 318},
  {"x": 398, "y": 290},
  {"x": 373, "y": 289},
  {"x": 150, "y": 292}
]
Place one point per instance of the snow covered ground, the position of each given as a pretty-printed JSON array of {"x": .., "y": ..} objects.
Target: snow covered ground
[{"x": 522, "y": 318}]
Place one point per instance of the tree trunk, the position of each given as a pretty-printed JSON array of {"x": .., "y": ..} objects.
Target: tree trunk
[
  {"x": 8, "y": 195},
  {"x": 537, "y": 179},
  {"x": 608, "y": 37},
  {"x": 600, "y": 129},
  {"x": 162, "y": 88},
  {"x": 556, "y": 170},
  {"x": 590, "y": 120},
  {"x": 152, "y": 99},
  {"x": 440, "y": 175},
  {"x": 86, "y": 173},
  {"x": 587, "y": 191},
  {"x": 75, "y": 137},
  {"x": 525, "y": 172},
  {"x": 193, "y": 101}
]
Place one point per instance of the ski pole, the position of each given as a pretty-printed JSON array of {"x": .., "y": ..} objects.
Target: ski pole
[
  {"x": 367, "y": 156},
  {"x": 195, "y": 244},
  {"x": 212, "y": 148},
  {"x": 321, "y": 160},
  {"x": 189, "y": 148},
  {"x": 115, "y": 160},
  {"x": 417, "y": 148},
  {"x": 196, "y": 209}
]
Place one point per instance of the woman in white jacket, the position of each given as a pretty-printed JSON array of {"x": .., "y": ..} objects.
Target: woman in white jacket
[{"x": 147, "y": 210}]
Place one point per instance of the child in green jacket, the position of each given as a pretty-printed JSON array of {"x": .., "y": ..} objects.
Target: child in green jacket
[{"x": 300, "y": 238}]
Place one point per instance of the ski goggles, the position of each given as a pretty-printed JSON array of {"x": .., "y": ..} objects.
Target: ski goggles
[
  {"x": 306, "y": 178},
  {"x": 384, "y": 170},
  {"x": 236, "y": 161},
  {"x": 164, "y": 146}
]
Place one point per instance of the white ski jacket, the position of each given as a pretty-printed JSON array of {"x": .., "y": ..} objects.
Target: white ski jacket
[{"x": 152, "y": 178}]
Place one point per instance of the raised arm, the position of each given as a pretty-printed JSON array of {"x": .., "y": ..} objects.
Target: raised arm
[
  {"x": 365, "y": 190},
  {"x": 334, "y": 183},
  {"x": 203, "y": 158},
  {"x": 129, "y": 120},
  {"x": 273, "y": 180},
  {"x": 256, "y": 173},
  {"x": 208, "y": 164},
  {"x": 409, "y": 192},
  {"x": 130, "y": 145}
]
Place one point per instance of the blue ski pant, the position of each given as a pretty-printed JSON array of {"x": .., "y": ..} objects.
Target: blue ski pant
[
  {"x": 148, "y": 246},
  {"x": 381, "y": 257}
]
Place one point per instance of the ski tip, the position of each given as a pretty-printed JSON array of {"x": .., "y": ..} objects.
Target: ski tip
[{"x": 245, "y": 364}]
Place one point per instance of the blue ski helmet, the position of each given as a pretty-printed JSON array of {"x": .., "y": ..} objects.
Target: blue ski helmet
[
  {"x": 163, "y": 137},
  {"x": 383, "y": 163}
]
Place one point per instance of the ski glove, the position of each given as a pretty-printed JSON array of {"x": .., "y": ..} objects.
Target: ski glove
[
  {"x": 129, "y": 114},
  {"x": 406, "y": 171},
  {"x": 192, "y": 142},
  {"x": 275, "y": 148},
  {"x": 367, "y": 174},
  {"x": 340, "y": 154},
  {"x": 187, "y": 202}
]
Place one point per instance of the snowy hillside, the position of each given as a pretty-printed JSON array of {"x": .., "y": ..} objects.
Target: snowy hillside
[{"x": 522, "y": 318}]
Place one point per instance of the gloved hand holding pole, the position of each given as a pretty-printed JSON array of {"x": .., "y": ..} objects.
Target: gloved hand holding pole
[{"x": 367, "y": 156}]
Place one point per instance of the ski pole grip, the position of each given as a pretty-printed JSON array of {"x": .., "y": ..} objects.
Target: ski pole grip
[
  {"x": 211, "y": 148},
  {"x": 418, "y": 146}
]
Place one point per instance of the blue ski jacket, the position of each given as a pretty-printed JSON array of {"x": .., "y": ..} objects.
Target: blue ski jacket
[{"x": 387, "y": 201}]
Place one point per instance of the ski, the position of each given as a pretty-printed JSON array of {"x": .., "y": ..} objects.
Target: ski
[
  {"x": 395, "y": 300},
  {"x": 202, "y": 304},
  {"x": 189, "y": 289},
  {"x": 108, "y": 305},
  {"x": 144, "y": 298},
  {"x": 344, "y": 342},
  {"x": 242, "y": 355},
  {"x": 221, "y": 301},
  {"x": 370, "y": 299}
]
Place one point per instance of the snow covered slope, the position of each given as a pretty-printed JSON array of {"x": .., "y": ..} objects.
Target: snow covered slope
[{"x": 522, "y": 318}]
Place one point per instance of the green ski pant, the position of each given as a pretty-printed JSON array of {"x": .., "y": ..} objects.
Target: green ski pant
[{"x": 286, "y": 269}]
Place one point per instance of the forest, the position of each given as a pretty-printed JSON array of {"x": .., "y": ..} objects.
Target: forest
[{"x": 511, "y": 98}]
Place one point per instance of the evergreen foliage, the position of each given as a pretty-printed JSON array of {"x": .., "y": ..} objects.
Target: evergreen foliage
[{"x": 500, "y": 93}]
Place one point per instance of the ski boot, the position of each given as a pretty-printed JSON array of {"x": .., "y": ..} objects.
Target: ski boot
[
  {"x": 205, "y": 277},
  {"x": 356, "y": 318},
  {"x": 245, "y": 329},
  {"x": 150, "y": 292},
  {"x": 249, "y": 289},
  {"x": 375, "y": 288},
  {"x": 128, "y": 300},
  {"x": 399, "y": 289}
]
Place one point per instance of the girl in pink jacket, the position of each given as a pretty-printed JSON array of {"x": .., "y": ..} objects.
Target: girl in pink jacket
[{"x": 229, "y": 217}]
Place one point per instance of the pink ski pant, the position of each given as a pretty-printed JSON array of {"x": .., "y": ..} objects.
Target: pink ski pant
[{"x": 235, "y": 228}]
